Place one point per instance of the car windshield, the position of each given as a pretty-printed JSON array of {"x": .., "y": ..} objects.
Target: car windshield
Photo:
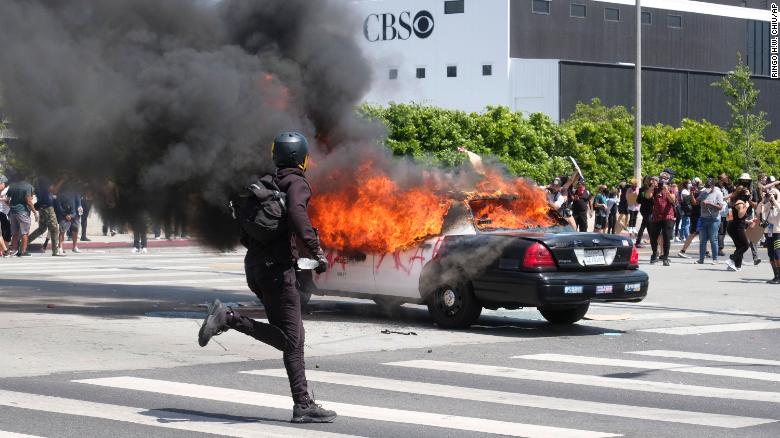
[{"x": 513, "y": 214}]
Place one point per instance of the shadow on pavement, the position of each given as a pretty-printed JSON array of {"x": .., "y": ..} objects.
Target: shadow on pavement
[{"x": 133, "y": 301}]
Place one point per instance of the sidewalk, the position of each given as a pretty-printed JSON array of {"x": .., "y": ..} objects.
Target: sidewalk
[{"x": 99, "y": 241}]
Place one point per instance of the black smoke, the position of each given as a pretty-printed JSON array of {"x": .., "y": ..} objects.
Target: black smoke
[{"x": 176, "y": 102}]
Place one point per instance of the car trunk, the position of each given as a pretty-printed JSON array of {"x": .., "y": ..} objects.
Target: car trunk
[{"x": 572, "y": 251}]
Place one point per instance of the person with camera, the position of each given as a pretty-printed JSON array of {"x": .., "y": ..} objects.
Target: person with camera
[
  {"x": 663, "y": 217},
  {"x": 768, "y": 213},
  {"x": 645, "y": 198},
  {"x": 711, "y": 201}
]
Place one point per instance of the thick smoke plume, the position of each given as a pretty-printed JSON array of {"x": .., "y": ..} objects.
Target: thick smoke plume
[{"x": 177, "y": 101}]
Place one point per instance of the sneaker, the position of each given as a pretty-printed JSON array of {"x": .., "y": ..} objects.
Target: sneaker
[
  {"x": 59, "y": 254},
  {"x": 667, "y": 262},
  {"x": 75, "y": 250},
  {"x": 157, "y": 237},
  {"x": 706, "y": 254},
  {"x": 85, "y": 239},
  {"x": 730, "y": 265},
  {"x": 312, "y": 413},
  {"x": 135, "y": 250},
  {"x": 699, "y": 262},
  {"x": 714, "y": 262},
  {"x": 26, "y": 254},
  {"x": 683, "y": 255},
  {"x": 756, "y": 261},
  {"x": 214, "y": 324},
  {"x": 653, "y": 260},
  {"x": 144, "y": 251},
  {"x": 639, "y": 245},
  {"x": 113, "y": 233}
]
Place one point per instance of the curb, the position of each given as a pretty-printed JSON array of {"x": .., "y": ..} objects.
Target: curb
[{"x": 33, "y": 247}]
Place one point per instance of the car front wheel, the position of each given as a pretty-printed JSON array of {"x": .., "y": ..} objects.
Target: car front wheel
[
  {"x": 454, "y": 307},
  {"x": 564, "y": 315}
]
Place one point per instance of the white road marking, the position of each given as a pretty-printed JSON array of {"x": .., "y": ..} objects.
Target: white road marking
[
  {"x": 587, "y": 380},
  {"x": 526, "y": 400},
  {"x": 710, "y": 357},
  {"x": 188, "y": 281},
  {"x": 344, "y": 409},
  {"x": 716, "y": 328},
  {"x": 663, "y": 315},
  {"x": 157, "y": 418},
  {"x": 648, "y": 365},
  {"x": 128, "y": 275},
  {"x": 4, "y": 434}
]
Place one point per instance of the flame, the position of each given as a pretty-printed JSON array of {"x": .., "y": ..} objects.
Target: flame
[
  {"x": 501, "y": 203},
  {"x": 370, "y": 213},
  {"x": 363, "y": 210}
]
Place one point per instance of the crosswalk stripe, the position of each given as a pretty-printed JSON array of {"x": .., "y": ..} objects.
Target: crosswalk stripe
[
  {"x": 526, "y": 400},
  {"x": 710, "y": 357},
  {"x": 663, "y": 315},
  {"x": 715, "y": 328},
  {"x": 675, "y": 367},
  {"x": 4, "y": 434},
  {"x": 156, "y": 418},
  {"x": 588, "y": 380},
  {"x": 348, "y": 410}
]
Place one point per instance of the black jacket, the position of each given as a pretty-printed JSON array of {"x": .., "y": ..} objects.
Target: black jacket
[{"x": 293, "y": 182}]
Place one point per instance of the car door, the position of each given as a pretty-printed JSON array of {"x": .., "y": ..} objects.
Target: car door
[
  {"x": 398, "y": 274},
  {"x": 348, "y": 273}
]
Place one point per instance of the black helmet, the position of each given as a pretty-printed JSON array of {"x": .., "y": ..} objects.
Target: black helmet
[{"x": 290, "y": 149}]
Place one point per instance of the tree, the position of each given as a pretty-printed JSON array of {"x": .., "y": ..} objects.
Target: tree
[{"x": 746, "y": 127}]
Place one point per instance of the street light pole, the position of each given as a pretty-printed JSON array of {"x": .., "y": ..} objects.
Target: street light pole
[{"x": 638, "y": 96}]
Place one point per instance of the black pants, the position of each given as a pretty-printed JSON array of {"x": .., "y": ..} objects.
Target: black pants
[
  {"x": 611, "y": 220},
  {"x": 275, "y": 285},
  {"x": 5, "y": 224},
  {"x": 740, "y": 238},
  {"x": 645, "y": 226},
  {"x": 658, "y": 228},
  {"x": 87, "y": 205},
  {"x": 632, "y": 214},
  {"x": 582, "y": 222}
]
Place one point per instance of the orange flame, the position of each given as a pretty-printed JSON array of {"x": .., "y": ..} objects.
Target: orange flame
[
  {"x": 372, "y": 214},
  {"x": 367, "y": 211},
  {"x": 513, "y": 204}
]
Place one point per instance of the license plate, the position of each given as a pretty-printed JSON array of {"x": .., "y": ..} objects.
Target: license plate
[
  {"x": 573, "y": 290},
  {"x": 606, "y": 289},
  {"x": 633, "y": 287},
  {"x": 594, "y": 257}
]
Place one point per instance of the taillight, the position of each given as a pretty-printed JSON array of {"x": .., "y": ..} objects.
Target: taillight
[
  {"x": 538, "y": 256},
  {"x": 634, "y": 260}
]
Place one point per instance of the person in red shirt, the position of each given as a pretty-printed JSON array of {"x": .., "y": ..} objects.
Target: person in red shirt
[{"x": 663, "y": 217}]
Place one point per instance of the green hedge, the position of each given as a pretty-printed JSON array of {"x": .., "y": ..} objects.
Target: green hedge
[{"x": 600, "y": 138}]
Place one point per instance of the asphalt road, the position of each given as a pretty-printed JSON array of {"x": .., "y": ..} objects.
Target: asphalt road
[{"x": 103, "y": 344}]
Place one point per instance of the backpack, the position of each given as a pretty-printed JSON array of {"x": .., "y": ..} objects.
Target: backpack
[
  {"x": 687, "y": 205},
  {"x": 262, "y": 211}
]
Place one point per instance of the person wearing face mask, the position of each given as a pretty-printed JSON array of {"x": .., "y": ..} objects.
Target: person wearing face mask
[
  {"x": 740, "y": 218},
  {"x": 755, "y": 196}
]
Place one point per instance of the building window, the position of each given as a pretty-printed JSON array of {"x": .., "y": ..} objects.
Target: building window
[
  {"x": 420, "y": 72},
  {"x": 647, "y": 18},
  {"x": 674, "y": 21},
  {"x": 452, "y": 71},
  {"x": 540, "y": 6},
  {"x": 577, "y": 10},
  {"x": 393, "y": 73},
  {"x": 611, "y": 14},
  {"x": 454, "y": 6},
  {"x": 487, "y": 70}
]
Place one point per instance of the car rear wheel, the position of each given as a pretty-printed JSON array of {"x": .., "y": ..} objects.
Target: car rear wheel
[
  {"x": 454, "y": 307},
  {"x": 564, "y": 315}
]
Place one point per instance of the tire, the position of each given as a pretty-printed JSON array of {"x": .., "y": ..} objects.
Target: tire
[
  {"x": 564, "y": 315},
  {"x": 454, "y": 307},
  {"x": 388, "y": 304}
]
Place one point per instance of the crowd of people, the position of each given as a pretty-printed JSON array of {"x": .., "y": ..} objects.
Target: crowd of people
[
  {"x": 61, "y": 211},
  {"x": 747, "y": 211}
]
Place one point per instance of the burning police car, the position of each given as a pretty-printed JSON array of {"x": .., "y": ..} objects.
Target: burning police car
[{"x": 486, "y": 257}]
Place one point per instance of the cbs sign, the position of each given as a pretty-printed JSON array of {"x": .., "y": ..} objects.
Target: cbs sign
[{"x": 389, "y": 27}]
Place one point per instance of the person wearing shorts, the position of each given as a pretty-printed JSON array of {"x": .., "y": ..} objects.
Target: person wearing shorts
[
  {"x": 68, "y": 208},
  {"x": 20, "y": 196}
]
